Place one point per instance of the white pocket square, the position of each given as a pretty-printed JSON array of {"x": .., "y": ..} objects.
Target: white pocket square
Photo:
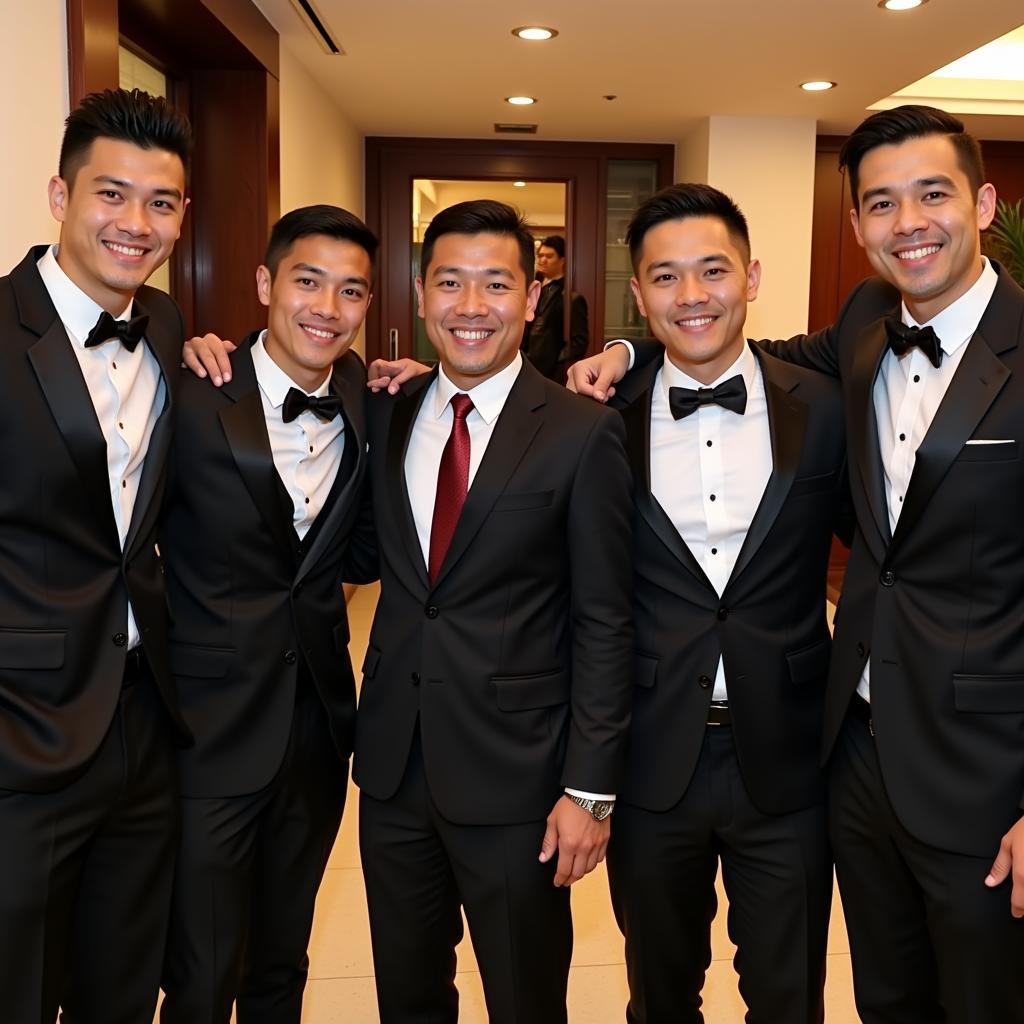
[{"x": 981, "y": 440}]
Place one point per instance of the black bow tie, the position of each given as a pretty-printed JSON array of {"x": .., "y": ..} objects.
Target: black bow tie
[
  {"x": 730, "y": 394},
  {"x": 128, "y": 332},
  {"x": 903, "y": 338},
  {"x": 297, "y": 401}
]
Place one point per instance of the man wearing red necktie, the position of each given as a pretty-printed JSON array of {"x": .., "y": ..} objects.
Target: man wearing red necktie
[{"x": 497, "y": 683}]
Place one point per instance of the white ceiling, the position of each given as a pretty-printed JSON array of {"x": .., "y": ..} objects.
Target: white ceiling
[{"x": 443, "y": 70}]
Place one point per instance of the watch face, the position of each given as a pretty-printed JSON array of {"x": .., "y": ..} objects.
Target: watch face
[{"x": 601, "y": 809}]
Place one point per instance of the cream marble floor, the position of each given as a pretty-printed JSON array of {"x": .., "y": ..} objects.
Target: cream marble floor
[{"x": 340, "y": 989}]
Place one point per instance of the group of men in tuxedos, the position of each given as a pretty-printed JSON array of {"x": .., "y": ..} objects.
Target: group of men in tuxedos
[{"x": 554, "y": 641}]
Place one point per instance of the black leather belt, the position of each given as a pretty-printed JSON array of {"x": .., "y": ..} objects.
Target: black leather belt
[
  {"x": 719, "y": 713},
  {"x": 136, "y": 666},
  {"x": 861, "y": 710}
]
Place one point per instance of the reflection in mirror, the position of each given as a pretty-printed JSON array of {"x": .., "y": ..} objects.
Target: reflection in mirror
[{"x": 542, "y": 202}]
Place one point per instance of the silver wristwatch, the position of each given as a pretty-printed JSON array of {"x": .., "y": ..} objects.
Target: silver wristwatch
[{"x": 597, "y": 809}]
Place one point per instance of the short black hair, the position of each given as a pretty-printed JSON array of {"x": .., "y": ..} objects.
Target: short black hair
[
  {"x": 910, "y": 121},
  {"x": 678, "y": 202},
  {"x": 480, "y": 216},
  {"x": 332, "y": 221},
  {"x": 556, "y": 242},
  {"x": 134, "y": 116}
]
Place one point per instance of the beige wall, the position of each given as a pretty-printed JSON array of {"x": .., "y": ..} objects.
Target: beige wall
[
  {"x": 767, "y": 165},
  {"x": 321, "y": 150},
  {"x": 33, "y": 105}
]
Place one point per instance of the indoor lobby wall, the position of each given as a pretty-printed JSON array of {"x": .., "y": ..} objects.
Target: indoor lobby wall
[{"x": 33, "y": 105}]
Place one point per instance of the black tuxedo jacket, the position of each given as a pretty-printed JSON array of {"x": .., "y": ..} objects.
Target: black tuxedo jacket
[
  {"x": 64, "y": 580},
  {"x": 516, "y": 662},
  {"x": 937, "y": 607},
  {"x": 545, "y": 343},
  {"x": 768, "y": 625},
  {"x": 250, "y": 604}
]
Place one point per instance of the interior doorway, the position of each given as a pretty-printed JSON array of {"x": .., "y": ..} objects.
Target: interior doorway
[{"x": 599, "y": 184}]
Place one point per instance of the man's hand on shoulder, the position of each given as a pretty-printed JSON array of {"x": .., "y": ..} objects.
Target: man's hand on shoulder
[
  {"x": 1009, "y": 862},
  {"x": 595, "y": 376},
  {"x": 391, "y": 374},
  {"x": 577, "y": 838},
  {"x": 209, "y": 356}
]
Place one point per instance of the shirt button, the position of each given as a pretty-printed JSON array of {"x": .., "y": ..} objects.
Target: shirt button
[
  {"x": 120, "y": 639},
  {"x": 306, "y": 500},
  {"x": 709, "y": 444},
  {"x": 432, "y": 611},
  {"x": 888, "y": 578},
  {"x": 704, "y": 682},
  {"x": 714, "y": 551},
  {"x": 722, "y": 613},
  {"x": 903, "y": 437},
  {"x": 917, "y": 378},
  {"x": 712, "y": 497},
  {"x": 290, "y": 657}
]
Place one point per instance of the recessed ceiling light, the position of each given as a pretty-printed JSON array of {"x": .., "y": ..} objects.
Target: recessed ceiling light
[
  {"x": 901, "y": 5},
  {"x": 520, "y": 101},
  {"x": 817, "y": 86},
  {"x": 535, "y": 33},
  {"x": 519, "y": 184}
]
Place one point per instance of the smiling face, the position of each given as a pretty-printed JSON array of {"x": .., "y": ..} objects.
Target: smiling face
[
  {"x": 693, "y": 284},
  {"x": 474, "y": 300},
  {"x": 119, "y": 218},
  {"x": 316, "y": 303},
  {"x": 919, "y": 221}
]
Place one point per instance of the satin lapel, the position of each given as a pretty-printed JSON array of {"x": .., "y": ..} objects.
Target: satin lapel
[
  {"x": 245, "y": 427},
  {"x": 870, "y": 350},
  {"x": 65, "y": 390},
  {"x": 353, "y": 402},
  {"x": 513, "y": 434},
  {"x": 980, "y": 376},
  {"x": 787, "y": 423},
  {"x": 637, "y": 419},
  {"x": 407, "y": 405},
  {"x": 165, "y": 344}
]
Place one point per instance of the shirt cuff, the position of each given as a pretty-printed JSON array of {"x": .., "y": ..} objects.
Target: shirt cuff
[
  {"x": 629, "y": 349},
  {"x": 590, "y": 796}
]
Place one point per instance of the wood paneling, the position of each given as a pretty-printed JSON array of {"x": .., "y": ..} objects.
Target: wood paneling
[{"x": 92, "y": 47}]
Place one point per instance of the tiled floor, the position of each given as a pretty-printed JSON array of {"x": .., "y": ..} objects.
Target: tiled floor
[{"x": 340, "y": 989}]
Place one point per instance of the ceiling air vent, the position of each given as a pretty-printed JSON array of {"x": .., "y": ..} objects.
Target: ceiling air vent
[
  {"x": 510, "y": 128},
  {"x": 316, "y": 24}
]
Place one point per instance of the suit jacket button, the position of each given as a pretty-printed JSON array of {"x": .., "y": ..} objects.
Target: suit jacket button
[
  {"x": 290, "y": 657},
  {"x": 888, "y": 578},
  {"x": 723, "y": 614},
  {"x": 705, "y": 682},
  {"x": 861, "y": 651},
  {"x": 415, "y": 679},
  {"x": 296, "y": 590},
  {"x": 121, "y": 639},
  {"x": 432, "y": 612}
]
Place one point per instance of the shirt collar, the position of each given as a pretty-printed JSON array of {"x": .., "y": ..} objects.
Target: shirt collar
[
  {"x": 957, "y": 323},
  {"x": 76, "y": 310},
  {"x": 488, "y": 396},
  {"x": 273, "y": 381},
  {"x": 745, "y": 365}
]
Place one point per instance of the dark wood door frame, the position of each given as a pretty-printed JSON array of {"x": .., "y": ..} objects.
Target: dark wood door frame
[{"x": 393, "y": 163}]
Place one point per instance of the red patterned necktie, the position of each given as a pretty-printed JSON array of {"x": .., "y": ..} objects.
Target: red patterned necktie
[{"x": 452, "y": 484}]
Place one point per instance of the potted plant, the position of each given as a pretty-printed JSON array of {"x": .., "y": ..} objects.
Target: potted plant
[{"x": 1005, "y": 238}]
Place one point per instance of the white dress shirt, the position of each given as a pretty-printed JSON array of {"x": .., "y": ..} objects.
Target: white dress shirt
[
  {"x": 908, "y": 390},
  {"x": 430, "y": 434},
  {"x": 127, "y": 391},
  {"x": 307, "y": 451},
  {"x": 709, "y": 471}
]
